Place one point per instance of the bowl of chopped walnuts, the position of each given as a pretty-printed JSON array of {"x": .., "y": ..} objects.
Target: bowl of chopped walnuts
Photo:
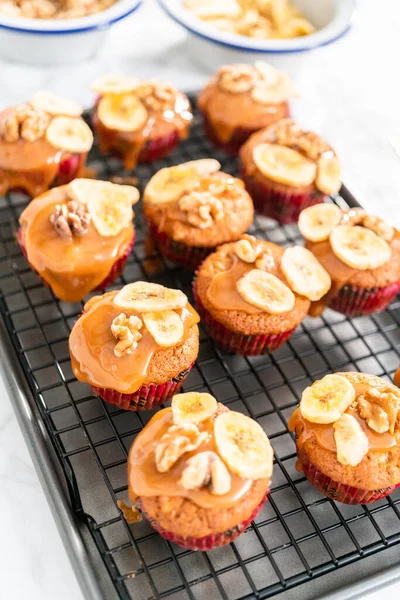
[
  {"x": 55, "y": 32},
  {"x": 227, "y": 31}
]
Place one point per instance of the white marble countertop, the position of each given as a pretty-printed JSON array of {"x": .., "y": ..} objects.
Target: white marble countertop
[{"x": 349, "y": 94}]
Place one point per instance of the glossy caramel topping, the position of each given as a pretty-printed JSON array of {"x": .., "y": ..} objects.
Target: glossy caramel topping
[
  {"x": 92, "y": 346},
  {"x": 159, "y": 124},
  {"x": 145, "y": 480},
  {"x": 223, "y": 293},
  {"x": 31, "y": 166},
  {"x": 396, "y": 378},
  {"x": 72, "y": 267}
]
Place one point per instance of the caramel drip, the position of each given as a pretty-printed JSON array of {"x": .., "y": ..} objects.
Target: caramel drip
[
  {"x": 130, "y": 144},
  {"x": 324, "y": 434},
  {"x": 92, "y": 345},
  {"x": 144, "y": 479},
  {"x": 74, "y": 267},
  {"x": 31, "y": 166},
  {"x": 396, "y": 378}
]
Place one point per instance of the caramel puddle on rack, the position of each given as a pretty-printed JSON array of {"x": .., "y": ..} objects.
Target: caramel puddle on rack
[{"x": 131, "y": 513}]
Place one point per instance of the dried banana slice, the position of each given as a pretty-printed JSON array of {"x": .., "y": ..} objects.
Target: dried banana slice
[
  {"x": 55, "y": 105},
  {"x": 284, "y": 165},
  {"x": 326, "y": 400},
  {"x": 143, "y": 296},
  {"x": 165, "y": 327},
  {"x": 317, "y": 222},
  {"x": 115, "y": 84},
  {"x": 193, "y": 407},
  {"x": 359, "y": 247},
  {"x": 82, "y": 190},
  {"x": 122, "y": 112},
  {"x": 305, "y": 275},
  {"x": 328, "y": 179},
  {"x": 70, "y": 134},
  {"x": 351, "y": 442},
  {"x": 266, "y": 291}
]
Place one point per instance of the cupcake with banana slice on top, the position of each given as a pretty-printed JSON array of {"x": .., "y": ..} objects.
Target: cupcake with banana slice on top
[
  {"x": 77, "y": 237},
  {"x": 136, "y": 346},
  {"x": 347, "y": 437},
  {"x": 241, "y": 99},
  {"x": 194, "y": 207},
  {"x": 43, "y": 142},
  {"x": 139, "y": 120},
  {"x": 287, "y": 169},
  {"x": 199, "y": 472},
  {"x": 252, "y": 294},
  {"x": 361, "y": 254}
]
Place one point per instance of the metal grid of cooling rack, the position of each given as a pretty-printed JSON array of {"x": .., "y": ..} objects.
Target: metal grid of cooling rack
[{"x": 299, "y": 535}]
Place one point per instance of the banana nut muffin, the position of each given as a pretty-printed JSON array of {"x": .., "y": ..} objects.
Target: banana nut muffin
[
  {"x": 347, "y": 437},
  {"x": 194, "y": 207},
  {"x": 43, "y": 142},
  {"x": 200, "y": 472},
  {"x": 361, "y": 253},
  {"x": 252, "y": 294},
  {"x": 136, "y": 346},
  {"x": 286, "y": 169},
  {"x": 241, "y": 99},
  {"x": 139, "y": 120}
]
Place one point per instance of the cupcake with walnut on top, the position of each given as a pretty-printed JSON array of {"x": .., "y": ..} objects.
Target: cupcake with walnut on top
[
  {"x": 199, "y": 472},
  {"x": 252, "y": 294},
  {"x": 241, "y": 99},
  {"x": 347, "y": 437},
  {"x": 360, "y": 252},
  {"x": 194, "y": 207},
  {"x": 43, "y": 143},
  {"x": 139, "y": 120},
  {"x": 287, "y": 169}
]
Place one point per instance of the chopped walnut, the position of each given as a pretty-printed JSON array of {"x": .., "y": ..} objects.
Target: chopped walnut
[
  {"x": 313, "y": 145},
  {"x": 71, "y": 219},
  {"x": 173, "y": 444},
  {"x": 157, "y": 96},
  {"x": 127, "y": 331},
  {"x": 288, "y": 133},
  {"x": 201, "y": 208},
  {"x": 25, "y": 123},
  {"x": 379, "y": 408},
  {"x": 373, "y": 414},
  {"x": 206, "y": 469},
  {"x": 237, "y": 78},
  {"x": 358, "y": 216},
  {"x": 249, "y": 251}
]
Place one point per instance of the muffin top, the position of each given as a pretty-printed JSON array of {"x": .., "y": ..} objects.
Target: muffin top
[
  {"x": 245, "y": 96},
  {"x": 145, "y": 333},
  {"x": 73, "y": 234},
  {"x": 347, "y": 424},
  {"x": 198, "y": 205},
  {"x": 255, "y": 287},
  {"x": 288, "y": 155},
  {"x": 33, "y": 139},
  {"x": 353, "y": 246},
  {"x": 199, "y": 450}
]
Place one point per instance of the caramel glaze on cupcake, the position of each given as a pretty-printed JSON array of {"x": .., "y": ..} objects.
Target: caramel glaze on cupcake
[
  {"x": 194, "y": 207},
  {"x": 43, "y": 142},
  {"x": 286, "y": 169},
  {"x": 255, "y": 292},
  {"x": 76, "y": 236},
  {"x": 140, "y": 121},
  {"x": 241, "y": 99},
  {"x": 360, "y": 252},
  {"x": 199, "y": 471},
  {"x": 347, "y": 428},
  {"x": 144, "y": 335}
]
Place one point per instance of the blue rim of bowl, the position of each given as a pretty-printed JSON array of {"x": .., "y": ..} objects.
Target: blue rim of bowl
[
  {"x": 95, "y": 27},
  {"x": 240, "y": 46}
]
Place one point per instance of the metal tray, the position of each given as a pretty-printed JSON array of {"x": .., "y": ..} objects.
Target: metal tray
[{"x": 80, "y": 444}]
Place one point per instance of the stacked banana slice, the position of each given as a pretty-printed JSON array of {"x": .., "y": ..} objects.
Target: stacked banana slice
[
  {"x": 109, "y": 204},
  {"x": 157, "y": 305},
  {"x": 66, "y": 130},
  {"x": 359, "y": 247},
  {"x": 119, "y": 107}
]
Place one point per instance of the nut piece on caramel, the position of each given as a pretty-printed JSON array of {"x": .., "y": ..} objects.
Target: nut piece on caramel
[
  {"x": 70, "y": 219},
  {"x": 126, "y": 331},
  {"x": 173, "y": 444},
  {"x": 206, "y": 469}
]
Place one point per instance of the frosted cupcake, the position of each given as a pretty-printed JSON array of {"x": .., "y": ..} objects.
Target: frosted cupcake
[
  {"x": 241, "y": 99},
  {"x": 360, "y": 252},
  {"x": 287, "y": 169},
  {"x": 77, "y": 237},
  {"x": 139, "y": 121},
  {"x": 136, "y": 346},
  {"x": 194, "y": 207},
  {"x": 347, "y": 437},
  {"x": 43, "y": 142},
  {"x": 200, "y": 472},
  {"x": 252, "y": 294}
]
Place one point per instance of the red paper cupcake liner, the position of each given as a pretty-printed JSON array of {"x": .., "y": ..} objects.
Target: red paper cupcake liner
[
  {"x": 146, "y": 397},
  {"x": 246, "y": 345},
  {"x": 186, "y": 256},
  {"x": 339, "y": 491},
  {"x": 284, "y": 207},
  {"x": 208, "y": 542},
  {"x": 70, "y": 168},
  {"x": 157, "y": 148},
  {"x": 355, "y": 301}
]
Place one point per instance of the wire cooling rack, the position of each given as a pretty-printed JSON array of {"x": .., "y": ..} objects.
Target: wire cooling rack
[{"x": 299, "y": 535}]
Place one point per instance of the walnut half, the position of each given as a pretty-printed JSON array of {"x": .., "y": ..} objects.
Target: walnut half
[
  {"x": 70, "y": 219},
  {"x": 206, "y": 469},
  {"x": 24, "y": 123}
]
